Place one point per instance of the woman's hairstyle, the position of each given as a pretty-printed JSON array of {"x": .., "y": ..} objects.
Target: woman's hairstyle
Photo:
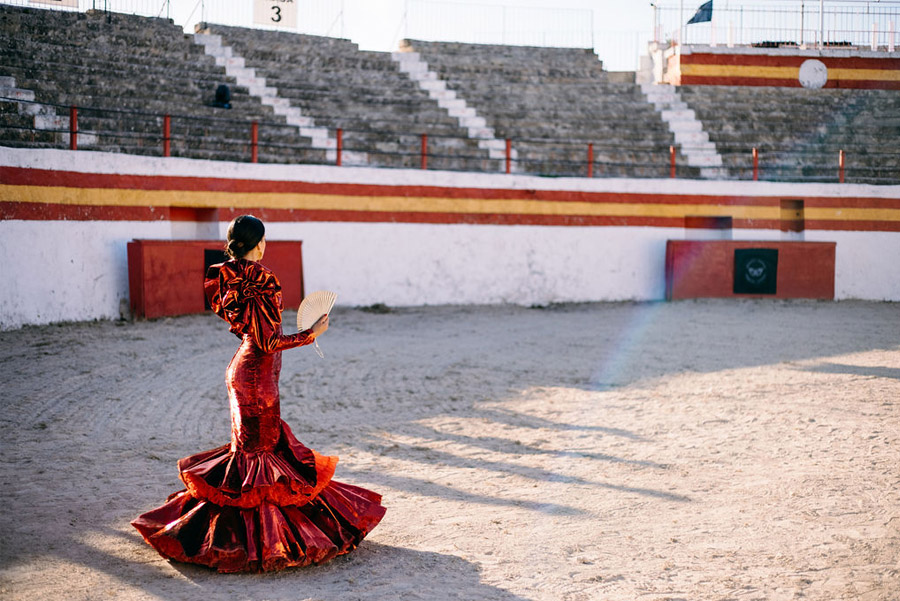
[{"x": 244, "y": 233}]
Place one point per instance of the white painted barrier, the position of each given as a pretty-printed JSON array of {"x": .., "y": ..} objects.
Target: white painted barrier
[{"x": 77, "y": 270}]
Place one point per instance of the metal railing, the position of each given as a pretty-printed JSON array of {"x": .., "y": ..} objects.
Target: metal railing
[
  {"x": 808, "y": 23},
  {"x": 191, "y": 136}
]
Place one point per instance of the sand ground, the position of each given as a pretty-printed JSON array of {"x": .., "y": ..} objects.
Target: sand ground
[{"x": 702, "y": 450}]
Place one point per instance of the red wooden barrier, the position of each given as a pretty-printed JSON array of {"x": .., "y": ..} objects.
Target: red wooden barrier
[
  {"x": 165, "y": 277},
  {"x": 254, "y": 142},
  {"x": 705, "y": 268},
  {"x": 73, "y": 128},
  {"x": 167, "y": 124}
]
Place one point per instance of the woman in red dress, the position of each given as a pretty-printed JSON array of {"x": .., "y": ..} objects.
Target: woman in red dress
[{"x": 264, "y": 501}]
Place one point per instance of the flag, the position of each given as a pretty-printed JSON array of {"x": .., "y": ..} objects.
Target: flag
[{"x": 703, "y": 14}]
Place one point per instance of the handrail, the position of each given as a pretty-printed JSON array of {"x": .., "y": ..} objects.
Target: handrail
[{"x": 563, "y": 157}]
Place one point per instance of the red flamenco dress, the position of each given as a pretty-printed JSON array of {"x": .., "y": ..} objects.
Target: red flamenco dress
[{"x": 264, "y": 501}]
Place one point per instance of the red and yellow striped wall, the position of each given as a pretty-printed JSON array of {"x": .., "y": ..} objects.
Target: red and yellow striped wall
[
  {"x": 38, "y": 194},
  {"x": 735, "y": 68}
]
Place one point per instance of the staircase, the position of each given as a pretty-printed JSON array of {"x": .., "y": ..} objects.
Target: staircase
[{"x": 695, "y": 145}]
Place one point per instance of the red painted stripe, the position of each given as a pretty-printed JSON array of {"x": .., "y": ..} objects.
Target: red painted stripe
[
  {"x": 71, "y": 179},
  {"x": 38, "y": 177},
  {"x": 41, "y": 212},
  {"x": 866, "y": 226},
  {"x": 687, "y": 80},
  {"x": 54, "y": 212},
  {"x": 846, "y": 203},
  {"x": 866, "y": 84},
  {"x": 31, "y": 211},
  {"x": 767, "y": 60}
]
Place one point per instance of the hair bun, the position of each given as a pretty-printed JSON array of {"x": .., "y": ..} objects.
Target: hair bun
[{"x": 244, "y": 234}]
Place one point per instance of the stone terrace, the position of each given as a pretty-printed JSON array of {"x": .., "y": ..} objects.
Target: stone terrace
[
  {"x": 552, "y": 102},
  {"x": 799, "y": 132},
  {"x": 380, "y": 110},
  {"x": 126, "y": 72},
  {"x": 121, "y": 63}
]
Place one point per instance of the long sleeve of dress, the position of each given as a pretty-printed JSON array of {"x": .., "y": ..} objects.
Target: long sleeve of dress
[{"x": 268, "y": 337}]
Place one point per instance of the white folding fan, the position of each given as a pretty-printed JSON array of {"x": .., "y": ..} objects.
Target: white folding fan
[{"x": 314, "y": 306}]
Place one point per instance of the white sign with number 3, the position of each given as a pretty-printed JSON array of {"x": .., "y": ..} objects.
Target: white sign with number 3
[{"x": 279, "y": 13}]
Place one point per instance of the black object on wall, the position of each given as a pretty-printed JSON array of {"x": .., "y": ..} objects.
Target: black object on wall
[{"x": 755, "y": 270}]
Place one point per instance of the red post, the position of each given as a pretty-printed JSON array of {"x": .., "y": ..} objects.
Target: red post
[
  {"x": 340, "y": 146},
  {"x": 508, "y": 155},
  {"x": 73, "y": 128},
  {"x": 254, "y": 142},
  {"x": 424, "y": 151},
  {"x": 841, "y": 167},
  {"x": 672, "y": 162},
  {"x": 755, "y": 165},
  {"x": 167, "y": 128},
  {"x": 591, "y": 159}
]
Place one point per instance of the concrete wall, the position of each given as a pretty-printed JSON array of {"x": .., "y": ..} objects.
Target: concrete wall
[{"x": 64, "y": 260}]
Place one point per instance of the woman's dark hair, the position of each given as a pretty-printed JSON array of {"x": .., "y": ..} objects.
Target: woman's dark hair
[{"x": 244, "y": 233}]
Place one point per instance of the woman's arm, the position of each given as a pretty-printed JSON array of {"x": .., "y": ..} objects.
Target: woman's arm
[{"x": 268, "y": 337}]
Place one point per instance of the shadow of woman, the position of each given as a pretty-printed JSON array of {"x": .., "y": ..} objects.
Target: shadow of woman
[{"x": 373, "y": 572}]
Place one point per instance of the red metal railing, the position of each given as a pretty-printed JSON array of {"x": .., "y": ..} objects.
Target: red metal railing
[
  {"x": 73, "y": 128},
  {"x": 841, "y": 167},
  {"x": 590, "y": 160},
  {"x": 559, "y": 156},
  {"x": 339, "y": 139},
  {"x": 424, "y": 151},
  {"x": 167, "y": 136}
]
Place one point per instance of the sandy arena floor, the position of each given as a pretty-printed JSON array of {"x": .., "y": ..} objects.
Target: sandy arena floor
[{"x": 694, "y": 450}]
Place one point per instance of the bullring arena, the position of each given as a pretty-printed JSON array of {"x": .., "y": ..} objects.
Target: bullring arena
[{"x": 631, "y": 336}]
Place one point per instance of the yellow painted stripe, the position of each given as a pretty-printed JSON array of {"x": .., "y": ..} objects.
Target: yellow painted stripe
[
  {"x": 740, "y": 71},
  {"x": 399, "y": 204},
  {"x": 760, "y": 71},
  {"x": 404, "y": 204},
  {"x": 864, "y": 74},
  {"x": 850, "y": 214}
]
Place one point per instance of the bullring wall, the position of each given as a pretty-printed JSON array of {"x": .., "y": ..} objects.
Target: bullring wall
[{"x": 403, "y": 237}]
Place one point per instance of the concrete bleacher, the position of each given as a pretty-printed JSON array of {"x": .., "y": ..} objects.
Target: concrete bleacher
[
  {"x": 125, "y": 72},
  {"x": 552, "y": 102},
  {"x": 380, "y": 110},
  {"x": 799, "y": 132},
  {"x": 121, "y": 63}
]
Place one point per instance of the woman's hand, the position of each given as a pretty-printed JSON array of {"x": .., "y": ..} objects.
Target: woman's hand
[{"x": 320, "y": 326}]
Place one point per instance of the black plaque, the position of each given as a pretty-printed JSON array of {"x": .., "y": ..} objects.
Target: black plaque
[{"x": 755, "y": 270}]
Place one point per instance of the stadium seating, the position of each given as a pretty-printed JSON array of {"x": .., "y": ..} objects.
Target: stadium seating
[
  {"x": 125, "y": 72},
  {"x": 552, "y": 102},
  {"x": 799, "y": 132},
  {"x": 380, "y": 110},
  {"x": 123, "y": 63}
]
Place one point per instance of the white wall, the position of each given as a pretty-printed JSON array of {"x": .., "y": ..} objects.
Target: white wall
[
  {"x": 414, "y": 264},
  {"x": 867, "y": 264},
  {"x": 77, "y": 270},
  {"x": 67, "y": 270}
]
